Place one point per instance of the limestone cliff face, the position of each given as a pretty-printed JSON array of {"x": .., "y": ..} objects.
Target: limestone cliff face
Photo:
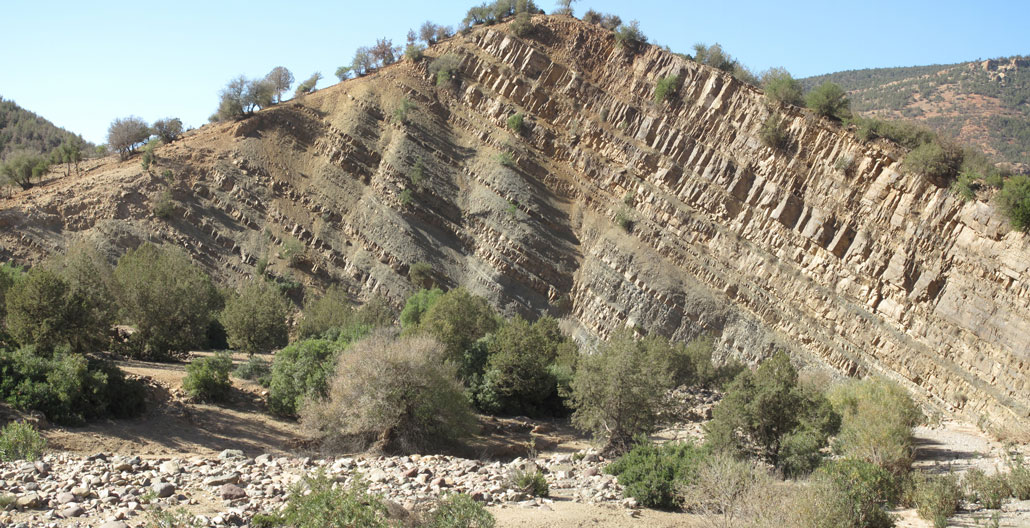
[{"x": 824, "y": 247}]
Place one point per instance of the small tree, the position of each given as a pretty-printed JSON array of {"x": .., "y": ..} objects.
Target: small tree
[
  {"x": 618, "y": 392},
  {"x": 255, "y": 320},
  {"x": 169, "y": 300},
  {"x": 877, "y": 418},
  {"x": 21, "y": 167},
  {"x": 308, "y": 85},
  {"x": 429, "y": 33},
  {"x": 829, "y": 100},
  {"x": 773, "y": 133},
  {"x": 1014, "y": 199},
  {"x": 667, "y": 88},
  {"x": 126, "y": 134},
  {"x": 629, "y": 35},
  {"x": 457, "y": 319},
  {"x": 168, "y": 129},
  {"x": 231, "y": 100},
  {"x": 44, "y": 311},
  {"x": 281, "y": 79},
  {"x": 384, "y": 53},
  {"x": 565, "y": 7},
  {"x": 398, "y": 395},
  {"x": 343, "y": 73},
  {"x": 781, "y": 87},
  {"x": 260, "y": 93},
  {"x": 300, "y": 372}
]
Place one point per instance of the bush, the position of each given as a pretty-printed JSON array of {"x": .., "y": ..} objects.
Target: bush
[
  {"x": 20, "y": 441},
  {"x": 517, "y": 378},
  {"x": 316, "y": 502},
  {"x": 937, "y": 160},
  {"x": 988, "y": 490},
  {"x": 726, "y": 490},
  {"x": 531, "y": 482},
  {"x": 877, "y": 417},
  {"x": 767, "y": 410},
  {"x": 619, "y": 391},
  {"x": 458, "y": 510},
  {"x": 400, "y": 113},
  {"x": 515, "y": 123},
  {"x": 850, "y": 493},
  {"x": 654, "y": 475},
  {"x": 125, "y": 134},
  {"x": 417, "y": 305},
  {"x": 781, "y": 87},
  {"x": 667, "y": 88},
  {"x": 421, "y": 275},
  {"x": 207, "y": 378},
  {"x": 45, "y": 311},
  {"x": 937, "y": 498},
  {"x": 906, "y": 134},
  {"x": 308, "y": 85},
  {"x": 255, "y": 320},
  {"x": 169, "y": 300},
  {"x": 629, "y": 35},
  {"x": 397, "y": 394},
  {"x": 168, "y": 130},
  {"x": 164, "y": 206},
  {"x": 457, "y": 319},
  {"x": 254, "y": 369},
  {"x": 177, "y": 518},
  {"x": 332, "y": 314},
  {"x": 773, "y": 133},
  {"x": 1019, "y": 479},
  {"x": 444, "y": 68},
  {"x": 68, "y": 388},
  {"x": 829, "y": 100},
  {"x": 299, "y": 372},
  {"x": 1014, "y": 199}
]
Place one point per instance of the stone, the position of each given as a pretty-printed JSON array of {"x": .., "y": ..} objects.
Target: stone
[
  {"x": 163, "y": 489},
  {"x": 231, "y": 454},
  {"x": 65, "y": 498},
  {"x": 30, "y": 500},
  {"x": 73, "y": 510},
  {"x": 222, "y": 478},
  {"x": 170, "y": 467},
  {"x": 378, "y": 475},
  {"x": 231, "y": 492},
  {"x": 114, "y": 524}
]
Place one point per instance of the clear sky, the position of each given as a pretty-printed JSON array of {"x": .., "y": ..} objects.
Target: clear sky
[{"x": 83, "y": 64}]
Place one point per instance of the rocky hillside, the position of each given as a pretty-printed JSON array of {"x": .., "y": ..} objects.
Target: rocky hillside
[
  {"x": 984, "y": 103},
  {"x": 606, "y": 208}
]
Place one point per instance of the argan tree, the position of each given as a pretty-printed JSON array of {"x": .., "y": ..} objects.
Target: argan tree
[
  {"x": 168, "y": 129},
  {"x": 308, "y": 85},
  {"x": 281, "y": 80},
  {"x": 126, "y": 134}
]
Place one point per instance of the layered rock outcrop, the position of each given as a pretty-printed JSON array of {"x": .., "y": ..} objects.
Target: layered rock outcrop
[{"x": 608, "y": 208}]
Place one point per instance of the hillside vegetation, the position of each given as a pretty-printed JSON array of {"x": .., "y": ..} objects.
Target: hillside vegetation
[
  {"x": 985, "y": 103},
  {"x": 21, "y": 129}
]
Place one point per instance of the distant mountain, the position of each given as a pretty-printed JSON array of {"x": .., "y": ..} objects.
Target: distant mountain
[
  {"x": 985, "y": 103},
  {"x": 21, "y": 129}
]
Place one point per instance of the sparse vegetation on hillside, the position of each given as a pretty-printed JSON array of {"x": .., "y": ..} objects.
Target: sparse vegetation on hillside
[
  {"x": 629, "y": 36},
  {"x": 781, "y": 87},
  {"x": 773, "y": 133},
  {"x": 444, "y": 68},
  {"x": 667, "y": 88},
  {"x": 308, "y": 85},
  {"x": 715, "y": 57},
  {"x": 24, "y": 131}
]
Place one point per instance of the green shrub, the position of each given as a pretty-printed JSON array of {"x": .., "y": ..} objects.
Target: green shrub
[
  {"x": 773, "y": 132},
  {"x": 207, "y": 378},
  {"x": 850, "y": 493},
  {"x": 407, "y": 197},
  {"x": 400, "y": 113},
  {"x": 624, "y": 219},
  {"x": 267, "y": 520},
  {"x": 169, "y": 300},
  {"x": 255, "y": 320},
  {"x": 68, "y": 388},
  {"x": 177, "y": 518},
  {"x": 506, "y": 160},
  {"x": 421, "y": 275},
  {"x": 829, "y": 100},
  {"x": 766, "y": 410},
  {"x": 43, "y": 310},
  {"x": 529, "y": 482},
  {"x": 877, "y": 417},
  {"x": 988, "y": 490},
  {"x": 444, "y": 68},
  {"x": 1014, "y": 199},
  {"x": 292, "y": 251},
  {"x": 318, "y": 503},
  {"x": 164, "y": 205},
  {"x": 398, "y": 395},
  {"x": 654, "y": 475},
  {"x": 332, "y": 315},
  {"x": 937, "y": 498},
  {"x": 619, "y": 391},
  {"x": 254, "y": 369},
  {"x": 781, "y": 87},
  {"x": 515, "y": 123},
  {"x": 300, "y": 371},
  {"x": 667, "y": 88},
  {"x": 458, "y": 510},
  {"x": 413, "y": 52},
  {"x": 936, "y": 160},
  {"x": 417, "y": 305},
  {"x": 457, "y": 319},
  {"x": 1019, "y": 478},
  {"x": 629, "y": 35},
  {"x": 517, "y": 377},
  {"x": 20, "y": 441}
]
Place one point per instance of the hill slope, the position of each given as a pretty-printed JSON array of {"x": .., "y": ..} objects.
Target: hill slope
[
  {"x": 984, "y": 103},
  {"x": 24, "y": 130},
  {"x": 608, "y": 209}
]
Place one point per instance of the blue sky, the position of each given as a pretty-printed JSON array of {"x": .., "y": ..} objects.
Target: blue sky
[{"x": 83, "y": 65}]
